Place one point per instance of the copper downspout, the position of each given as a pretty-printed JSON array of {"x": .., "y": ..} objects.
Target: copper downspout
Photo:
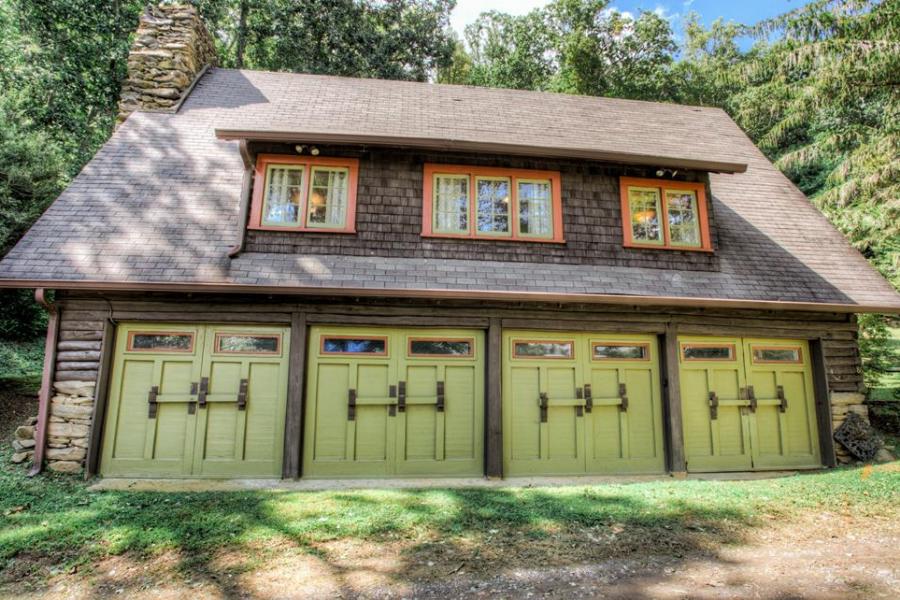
[
  {"x": 245, "y": 201},
  {"x": 40, "y": 431}
]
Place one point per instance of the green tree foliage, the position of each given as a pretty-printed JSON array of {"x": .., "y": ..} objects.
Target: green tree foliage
[
  {"x": 571, "y": 46},
  {"x": 823, "y": 101},
  {"x": 393, "y": 39}
]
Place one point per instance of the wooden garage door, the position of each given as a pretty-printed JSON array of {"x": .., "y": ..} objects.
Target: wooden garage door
[
  {"x": 747, "y": 404},
  {"x": 387, "y": 402},
  {"x": 576, "y": 404},
  {"x": 196, "y": 401}
]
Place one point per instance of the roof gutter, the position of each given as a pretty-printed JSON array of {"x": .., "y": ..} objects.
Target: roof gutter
[
  {"x": 40, "y": 430},
  {"x": 450, "y": 294},
  {"x": 455, "y": 145}
]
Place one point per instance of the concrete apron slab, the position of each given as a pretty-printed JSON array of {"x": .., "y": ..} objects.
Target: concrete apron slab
[{"x": 282, "y": 485}]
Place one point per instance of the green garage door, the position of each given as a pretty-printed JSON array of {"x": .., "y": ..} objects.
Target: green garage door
[
  {"x": 196, "y": 401},
  {"x": 747, "y": 404},
  {"x": 386, "y": 402},
  {"x": 576, "y": 404}
]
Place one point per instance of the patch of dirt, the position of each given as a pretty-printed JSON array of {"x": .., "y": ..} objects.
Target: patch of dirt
[
  {"x": 823, "y": 555},
  {"x": 17, "y": 404}
]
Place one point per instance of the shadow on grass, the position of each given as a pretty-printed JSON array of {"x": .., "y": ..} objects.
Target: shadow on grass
[{"x": 429, "y": 532}]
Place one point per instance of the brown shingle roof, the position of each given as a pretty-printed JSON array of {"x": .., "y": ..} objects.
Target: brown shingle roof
[{"x": 158, "y": 206}]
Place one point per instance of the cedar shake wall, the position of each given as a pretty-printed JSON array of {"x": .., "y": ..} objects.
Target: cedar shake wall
[
  {"x": 84, "y": 316},
  {"x": 389, "y": 215}
]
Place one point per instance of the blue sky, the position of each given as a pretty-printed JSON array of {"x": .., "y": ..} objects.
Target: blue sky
[{"x": 743, "y": 11}]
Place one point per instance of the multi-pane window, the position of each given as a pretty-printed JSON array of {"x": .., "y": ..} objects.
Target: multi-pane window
[
  {"x": 492, "y": 200},
  {"x": 664, "y": 214},
  {"x": 451, "y": 203},
  {"x": 304, "y": 193},
  {"x": 491, "y": 203},
  {"x": 535, "y": 208},
  {"x": 328, "y": 197}
]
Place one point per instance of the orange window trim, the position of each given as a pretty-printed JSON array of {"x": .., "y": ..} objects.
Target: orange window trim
[
  {"x": 129, "y": 346},
  {"x": 643, "y": 345},
  {"x": 382, "y": 338},
  {"x": 731, "y": 350},
  {"x": 263, "y": 161},
  {"x": 754, "y": 348},
  {"x": 411, "y": 354},
  {"x": 223, "y": 334},
  {"x": 514, "y": 175},
  {"x": 662, "y": 185}
]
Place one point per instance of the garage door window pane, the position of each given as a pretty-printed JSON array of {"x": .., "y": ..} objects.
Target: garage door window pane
[
  {"x": 621, "y": 351},
  {"x": 708, "y": 352},
  {"x": 776, "y": 355},
  {"x": 161, "y": 342},
  {"x": 492, "y": 203},
  {"x": 248, "y": 344},
  {"x": 542, "y": 349},
  {"x": 418, "y": 347},
  {"x": 347, "y": 345}
]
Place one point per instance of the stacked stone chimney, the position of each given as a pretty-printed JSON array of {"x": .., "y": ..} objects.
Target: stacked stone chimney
[{"x": 171, "y": 48}]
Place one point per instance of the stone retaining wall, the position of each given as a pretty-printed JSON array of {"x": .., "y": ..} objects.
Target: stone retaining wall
[{"x": 69, "y": 429}]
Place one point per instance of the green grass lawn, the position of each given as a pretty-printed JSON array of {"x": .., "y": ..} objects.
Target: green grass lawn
[{"x": 53, "y": 520}]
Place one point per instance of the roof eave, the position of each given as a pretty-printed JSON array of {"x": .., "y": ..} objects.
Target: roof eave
[
  {"x": 454, "y": 145},
  {"x": 450, "y": 294}
]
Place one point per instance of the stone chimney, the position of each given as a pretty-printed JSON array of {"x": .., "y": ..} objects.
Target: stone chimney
[{"x": 171, "y": 48}]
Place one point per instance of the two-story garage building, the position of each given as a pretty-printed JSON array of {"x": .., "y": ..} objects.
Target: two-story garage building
[{"x": 270, "y": 274}]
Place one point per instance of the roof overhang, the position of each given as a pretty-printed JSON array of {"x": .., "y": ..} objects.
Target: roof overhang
[
  {"x": 450, "y": 294},
  {"x": 456, "y": 145}
]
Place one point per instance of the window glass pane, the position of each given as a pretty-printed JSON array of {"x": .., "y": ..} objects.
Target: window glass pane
[
  {"x": 264, "y": 344},
  {"x": 492, "y": 204},
  {"x": 163, "y": 342},
  {"x": 335, "y": 345},
  {"x": 684, "y": 223},
  {"x": 706, "y": 352},
  {"x": 544, "y": 349},
  {"x": 535, "y": 208},
  {"x": 620, "y": 351},
  {"x": 451, "y": 203},
  {"x": 441, "y": 347},
  {"x": 791, "y": 355},
  {"x": 643, "y": 204},
  {"x": 283, "y": 190},
  {"x": 328, "y": 197}
]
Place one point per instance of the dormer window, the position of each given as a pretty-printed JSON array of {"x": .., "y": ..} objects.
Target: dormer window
[
  {"x": 491, "y": 203},
  {"x": 664, "y": 214},
  {"x": 304, "y": 193}
]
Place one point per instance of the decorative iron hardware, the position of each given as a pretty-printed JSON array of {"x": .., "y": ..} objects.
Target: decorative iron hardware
[
  {"x": 623, "y": 395},
  {"x": 543, "y": 401},
  {"x": 751, "y": 395},
  {"x": 151, "y": 401},
  {"x": 242, "y": 395},
  {"x": 713, "y": 406},
  {"x": 779, "y": 391},
  {"x": 392, "y": 391},
  {"x": 579, "y": 411},
  {"x": 351, "y": 404},
  {"x": 401, "y": 396},
  {"x": 392, "y": 410},
  {"x": 588, "y": 398},
  {"x": 579, "y": 393},
  {"x": 204, "y": 389},
  {"x": 440, "y": 396}
]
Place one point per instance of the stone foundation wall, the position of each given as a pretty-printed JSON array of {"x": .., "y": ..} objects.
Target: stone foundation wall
[
  {"x": 171, "y": 46},
  {"x": 71, "y": 410}
]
